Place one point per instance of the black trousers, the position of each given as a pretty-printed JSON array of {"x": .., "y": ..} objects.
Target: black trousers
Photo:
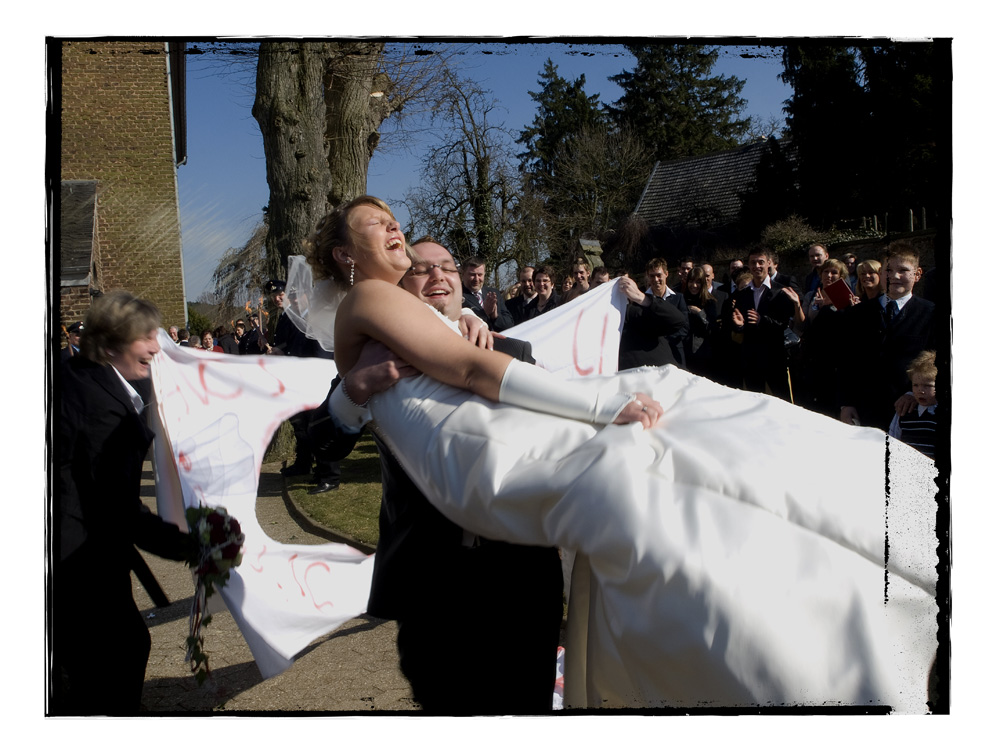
[
  {"x": 771, "y": 373},
  {"x": 306, "y": 451},
  {"x": 484, "y": 640},
  {"x": 100, "y": 643}
]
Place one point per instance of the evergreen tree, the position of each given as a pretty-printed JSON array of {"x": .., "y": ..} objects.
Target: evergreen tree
[
  {"x": 869, "y": 124},
  {"x": 773, "y": 195},
  {"x": 676, "y": 105},
  {"x": 197, "y": 323},
  {"x": 829, "y": 128},
  {"x": 560, "y": 198},
  {"x": 906, "y": 87},
  {"x": 564, "y": 109}
]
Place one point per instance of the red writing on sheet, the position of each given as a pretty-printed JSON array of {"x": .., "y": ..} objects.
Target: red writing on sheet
[
  {"x": 291, "y": 564},
  {"x": 324, "y": 566},
  {"x": 202, "y": 366},
  {"x": 576, "y": 358},
  {"x": 304, "y": 584},
  {"x": 281, "y": 385},
  {"x": 259, "y": 568},
  {"x": 202, "y": 391}
]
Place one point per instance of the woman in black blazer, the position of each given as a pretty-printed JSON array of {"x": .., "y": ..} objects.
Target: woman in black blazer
[
  {"x": 99, "y": 641},
  {"x": 546, "y": 298}
]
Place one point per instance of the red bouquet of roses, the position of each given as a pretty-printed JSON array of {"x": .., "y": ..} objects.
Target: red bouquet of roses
[{"x": 219, "y": 549}]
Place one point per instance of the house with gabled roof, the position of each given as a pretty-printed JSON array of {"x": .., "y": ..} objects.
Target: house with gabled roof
[{"x": 694, "y": 204}]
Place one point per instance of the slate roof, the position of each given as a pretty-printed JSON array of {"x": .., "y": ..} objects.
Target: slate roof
[
  {"x": 700, "y": 191},
  {"x": 78, "y": 214}
]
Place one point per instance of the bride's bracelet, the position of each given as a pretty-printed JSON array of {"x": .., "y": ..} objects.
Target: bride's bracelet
[{"x": 343, "y": 387}]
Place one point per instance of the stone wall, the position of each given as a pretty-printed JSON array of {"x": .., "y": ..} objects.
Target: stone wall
[{"x": 117, "y": 129}]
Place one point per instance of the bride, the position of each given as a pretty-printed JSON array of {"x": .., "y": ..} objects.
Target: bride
[{"x": 724, "y": 555}]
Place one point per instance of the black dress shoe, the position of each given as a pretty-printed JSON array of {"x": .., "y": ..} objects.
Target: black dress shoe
[
  {"x": 296, "y": 470},
  {"x": 323, "y": 487}
]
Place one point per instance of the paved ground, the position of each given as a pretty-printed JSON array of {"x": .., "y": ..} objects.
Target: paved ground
[{"x": 353, "y": 670}]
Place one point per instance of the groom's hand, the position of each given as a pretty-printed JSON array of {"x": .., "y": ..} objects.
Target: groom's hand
[{"x": 377, "y": 370}]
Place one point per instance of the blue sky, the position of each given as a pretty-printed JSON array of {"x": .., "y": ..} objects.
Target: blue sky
[{"x": 223, "y": 185}]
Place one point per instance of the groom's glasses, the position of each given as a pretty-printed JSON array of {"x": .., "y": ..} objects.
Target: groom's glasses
[{"x": 424, "y": 269}]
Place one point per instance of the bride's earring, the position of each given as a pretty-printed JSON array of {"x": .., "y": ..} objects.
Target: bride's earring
[{"x": 352, "y": 271}]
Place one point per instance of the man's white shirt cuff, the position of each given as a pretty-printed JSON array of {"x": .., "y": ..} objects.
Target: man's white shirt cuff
[{"x": 348, "y": 415}]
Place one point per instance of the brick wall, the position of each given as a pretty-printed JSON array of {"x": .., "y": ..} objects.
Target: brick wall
[
  {"x": 116, "y": 129},
  {"x": 74, "y": 303}
]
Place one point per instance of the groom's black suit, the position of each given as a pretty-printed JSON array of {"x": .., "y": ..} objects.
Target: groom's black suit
[{"x": 478, "y": 625}]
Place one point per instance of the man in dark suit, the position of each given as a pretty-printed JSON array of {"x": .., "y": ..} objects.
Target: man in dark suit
[
  {"x": 254, "y": 342},
  {"x": 100, "y": 643},
  {"x": 762, "y": 312},
  {"x": 785, "y": 279},
  {"x": 684, "y": 268},
  {"x": 734, "y": 265},
  {"x": 227, "y": 341},
  {"x": 883, "y": 339},
  {"x": 462, "y": 602},
  {"x": 486, "y": 302},
  {"x": 656, "y": 322},
  {"x": 516, "y": 305},
  {"x": 291, "y": 342}
]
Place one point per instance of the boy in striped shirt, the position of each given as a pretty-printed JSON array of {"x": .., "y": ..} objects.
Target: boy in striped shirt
[{"x": 918, "y": 427}]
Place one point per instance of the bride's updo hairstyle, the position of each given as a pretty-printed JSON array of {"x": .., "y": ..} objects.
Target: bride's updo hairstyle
[{"x": 333, "y": 231}]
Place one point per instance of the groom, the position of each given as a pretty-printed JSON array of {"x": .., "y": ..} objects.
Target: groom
[{"x": 478, "y": 619}]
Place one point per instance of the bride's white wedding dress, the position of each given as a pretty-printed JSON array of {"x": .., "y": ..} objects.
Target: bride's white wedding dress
[{"x": 743, "y": 552}]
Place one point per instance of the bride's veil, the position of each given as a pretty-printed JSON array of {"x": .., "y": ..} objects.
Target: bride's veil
[{"x": 311, "y": 306}]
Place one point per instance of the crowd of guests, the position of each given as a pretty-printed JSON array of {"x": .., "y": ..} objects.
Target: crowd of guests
[
  {"x": 843, "y": 343},
  {"x": 236, "y": 341}
]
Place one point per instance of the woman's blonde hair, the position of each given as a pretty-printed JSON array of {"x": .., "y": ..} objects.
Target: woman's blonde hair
[
  {"x": 836, "y": 264},
  {"x": 114, "y": 321},
  {"x": 333, "y": 231},
  {"x": 868, "y": 265}
]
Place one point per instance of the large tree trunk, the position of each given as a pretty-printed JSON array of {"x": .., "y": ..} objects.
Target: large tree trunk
[
  {"x": 357, "y": 101},
  {"x": 319, "y": 106},
  {"x": 290, "y": 109}
]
